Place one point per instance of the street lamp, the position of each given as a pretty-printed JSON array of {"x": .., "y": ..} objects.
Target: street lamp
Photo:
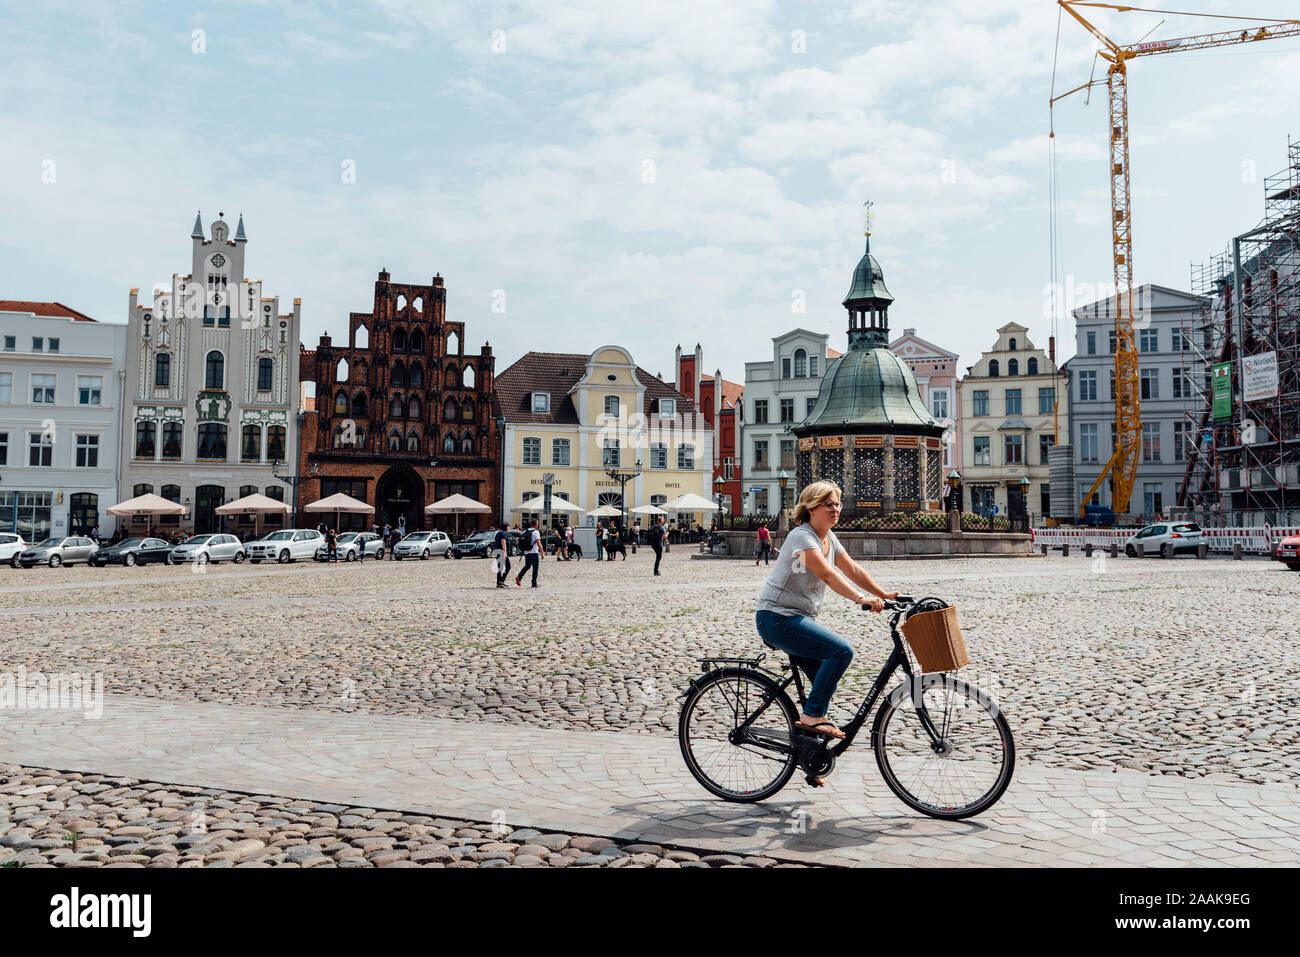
[
  {"x": 954, "y": 480},
  {"x": 622, "y": 478},
  {"x": 1024, "y": 496},
  {"x": 781, "y": 480},
  {"x": 718, "y": 486}
]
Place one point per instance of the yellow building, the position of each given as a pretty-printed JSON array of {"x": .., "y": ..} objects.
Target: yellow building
[{"x": 574, "y": 417}]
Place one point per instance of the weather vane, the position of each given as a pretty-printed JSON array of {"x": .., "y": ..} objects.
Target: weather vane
[{"x": 866, "y": 215}]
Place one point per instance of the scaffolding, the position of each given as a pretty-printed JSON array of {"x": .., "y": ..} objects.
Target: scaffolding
[{"x": 1243, "y": 468}]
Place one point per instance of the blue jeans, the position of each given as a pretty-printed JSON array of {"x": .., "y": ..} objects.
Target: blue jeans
[{"x": 820, "y": 653}]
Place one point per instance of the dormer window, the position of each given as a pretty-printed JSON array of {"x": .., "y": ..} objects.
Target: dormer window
[
  {"x": 667, "y": 407},
  {"x": 1013, "y": 345},
  {"x": 541, "y": 402}
]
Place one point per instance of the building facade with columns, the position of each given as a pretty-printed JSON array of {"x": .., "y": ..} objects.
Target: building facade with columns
[
  {"x": 403, "y": 415},
  {"x": 212, "y": 388},
  {"x": 574, "y": 417}
]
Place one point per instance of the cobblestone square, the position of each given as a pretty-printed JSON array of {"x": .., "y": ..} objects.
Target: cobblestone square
[{"x": 1151, "y": 703}]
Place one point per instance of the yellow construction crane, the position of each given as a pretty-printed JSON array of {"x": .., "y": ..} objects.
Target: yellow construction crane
[{"x": 1123, "y": 464}]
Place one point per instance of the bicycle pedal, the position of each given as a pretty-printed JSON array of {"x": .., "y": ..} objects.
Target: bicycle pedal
[{"x": 816, "y": 781}]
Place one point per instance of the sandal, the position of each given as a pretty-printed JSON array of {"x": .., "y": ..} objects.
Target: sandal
[{"x": 817, "y": 728}]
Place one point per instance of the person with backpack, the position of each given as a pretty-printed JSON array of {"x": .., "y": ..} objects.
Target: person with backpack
[
  {"x": 501, "y": 552},
  {"x": 764, "y": 549},
  {"x": 658, "y": 537},
  {"x": 531, "y": 545}
]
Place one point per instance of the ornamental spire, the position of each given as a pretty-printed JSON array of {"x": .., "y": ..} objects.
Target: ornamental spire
[{"x": 197, "y": 233}]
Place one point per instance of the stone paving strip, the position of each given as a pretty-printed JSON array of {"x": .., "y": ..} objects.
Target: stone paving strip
[
  {"x": 629, "y": 788},
  {"x": 54, "y": 819},
  {"x": 1180, "y": 668}
]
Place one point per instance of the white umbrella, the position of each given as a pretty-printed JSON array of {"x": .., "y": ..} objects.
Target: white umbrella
[
  {"x": 456, "y": 504},
  {"x": 338, "y": 502},
  {"x": 606, "y": 511},
  {"x": 557, "y": 505},
  {"x": 649, "y": 510},
  {"x": 253, "y": 504},
  {"x": 149, "y": 504},
  {"x": 690, "y": 502}
]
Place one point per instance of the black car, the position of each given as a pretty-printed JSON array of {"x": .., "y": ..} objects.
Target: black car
[
  {"x": 134, "y": 551},
  {"x": 478, "y": 545}
]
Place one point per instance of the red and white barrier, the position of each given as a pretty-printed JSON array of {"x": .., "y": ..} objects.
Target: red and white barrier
[{"x": 1256, "y": 540}]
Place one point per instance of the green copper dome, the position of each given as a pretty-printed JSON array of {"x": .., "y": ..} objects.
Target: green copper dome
[
  {"x": 868, "y": 279},
  {"x": 872, "y": 388}
]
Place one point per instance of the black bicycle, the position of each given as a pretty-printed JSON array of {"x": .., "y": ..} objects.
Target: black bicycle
[{"x": 942, "y": 745}]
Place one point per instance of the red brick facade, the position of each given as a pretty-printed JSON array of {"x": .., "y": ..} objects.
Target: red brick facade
[{"x": 404, "y": 418}]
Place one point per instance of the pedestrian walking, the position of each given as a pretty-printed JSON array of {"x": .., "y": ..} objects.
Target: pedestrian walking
[
  {"x": 401, "y": 527},
  {"x": 388, "y": 538},
  {"x": 658, "y": 539},
  {"x": 501, "y": 552},
  {"x": 532, "y": 554},
  {"x": 600, "y": 541},
  {"x": 561, "y": 553},
  {"x": 764, "y": 546},
  {"x": 332, "y": 545}
]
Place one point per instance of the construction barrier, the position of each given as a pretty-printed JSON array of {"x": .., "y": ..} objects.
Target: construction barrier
[{"x": 1253, "y": 541}]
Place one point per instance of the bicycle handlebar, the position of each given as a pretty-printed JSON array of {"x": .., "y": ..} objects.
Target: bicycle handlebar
[{"x": 902, "y": 601}]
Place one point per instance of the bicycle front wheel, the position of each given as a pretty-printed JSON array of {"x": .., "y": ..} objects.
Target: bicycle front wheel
[
  {"x": 747, "y": 765},
  {"x": 961, "y": 774}
]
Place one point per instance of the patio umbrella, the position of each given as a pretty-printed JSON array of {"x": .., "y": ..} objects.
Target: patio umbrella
[
  {"x": 606, "y": 511},
  {"x": 254, "y": 504},
  {"x": 690, "y": 504},
  {"x": 649, "y": 510},
  {"x": 456, "y": 504},
  {"x": 149, "y": 504},
  {"x": 338, "y": 503}
]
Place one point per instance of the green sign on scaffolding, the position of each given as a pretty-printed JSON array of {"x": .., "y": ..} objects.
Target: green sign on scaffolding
[{"x": 1221, "y": 391}]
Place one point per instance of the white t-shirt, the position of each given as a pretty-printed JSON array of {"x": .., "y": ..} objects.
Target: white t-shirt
[
  {"x": 534, "y": 536},
  {"x": 792, "y": 589}
]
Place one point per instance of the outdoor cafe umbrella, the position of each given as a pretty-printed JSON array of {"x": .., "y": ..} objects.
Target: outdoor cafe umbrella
[
  {"x": 649, "y": 510},
  {"x": 690, "y": 503},
  {"x": 149, "y": 504},
  {"x": 338, "y": 503},
  {"x": 456, "y": 504},
  {"x": 253, "y": 505}
]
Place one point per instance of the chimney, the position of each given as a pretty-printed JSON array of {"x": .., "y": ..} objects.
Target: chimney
[{"x": 1051, "y": 349}]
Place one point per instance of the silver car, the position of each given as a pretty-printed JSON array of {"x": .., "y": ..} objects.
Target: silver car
[
  {"x": 58, "y": 551},
  {"x": 1184, "y": 536},
  {"x": 423, "y": 544},
  {"x": 354, "y": 545},
  {"x": 210, "y": 548}
]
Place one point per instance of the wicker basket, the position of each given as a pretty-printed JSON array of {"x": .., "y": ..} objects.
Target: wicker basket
[{"x": 936, "y": 640}]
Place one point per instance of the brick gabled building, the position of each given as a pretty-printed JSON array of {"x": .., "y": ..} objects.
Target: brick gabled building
[
  {"x": 403, "y": 416},
  {"x": 717, "y": 399}
]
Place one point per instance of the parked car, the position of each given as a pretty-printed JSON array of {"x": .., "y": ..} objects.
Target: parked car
[
  {"x": 134, "y": 551},
  {"x": 11, "y": 546},
  {"x": 286, "y": 545},
  {"x": 423, "y": 544},
  {"x": 1185, "y": 537},
  {"x": 478, "y": 545},
  {"x": 351, "y": 545},
  {"x": 202, "y": 549},
  {"x": 57, "y": 551},
  {"x": 1288, "y": 551}
]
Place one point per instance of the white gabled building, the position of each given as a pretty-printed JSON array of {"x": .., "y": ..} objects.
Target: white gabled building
[{"x": 60, "y": 419}]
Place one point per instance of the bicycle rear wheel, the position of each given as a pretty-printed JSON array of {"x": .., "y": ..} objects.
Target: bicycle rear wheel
[
  {"x": 738, "y": 766},
  {"x": 969, "y": 768}
]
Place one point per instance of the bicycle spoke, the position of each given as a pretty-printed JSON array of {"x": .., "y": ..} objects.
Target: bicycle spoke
[{"x": 741, "y": 770}]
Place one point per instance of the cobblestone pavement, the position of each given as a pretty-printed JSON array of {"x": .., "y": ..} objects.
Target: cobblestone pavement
[
  {"x": 1183, "y": 668},
  {"x": 625, "y": 787},
  {"x": 53, "y": 819}
]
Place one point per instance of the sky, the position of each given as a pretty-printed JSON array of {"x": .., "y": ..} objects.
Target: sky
[{"x": 599, "y": 171}]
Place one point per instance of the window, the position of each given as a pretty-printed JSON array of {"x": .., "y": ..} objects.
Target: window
[
  {"x": 225, "y": 316},
  {"x": 38, "y": 344},
  {"x": 6, "y": 387},
  {"x": 277, "y": 492},
  {"x": 1148, "y": 340},
  {"x": 209, "y": 316},
  {"x": 340, "y": 403},
  {"x": 1011, "y": 343},
  {"x": 760, "y": 502},
  {"x": 416, "y": 374},
  {"x": 1150, "y": 381},
  {"x": 413, "y": 408},
  {"x": 787, "y": 453},
  {"x": 40, "y": 449},
  {"x": 1183, "y": 435},
  {"x": 212, "y": 441},
  {"x": 265, "y": 368},
  {"x": 10, "y": 343},
  {"x": 1088, "y": 442},
  {"x": 467, "y": 443},
  {"x": 559, "y": 451},
  {"x": 1013, "y": 367},
  {"x": 1032, "y": 366},
  {"x": 760, "y": 454},
  {"x": 1013, "y": 449},
  {"x": 1152, "y": 499},
  {"x": 611, "y": 406},
  {"x": 1013, "y": 402},
  {"x": 215, "y": 372},
  {"x": 667, "y": 407},
  {"x": 171, "y": 441},
  {"x": 541, "y": 403},
  {"x": 812, "y": 366},
  {"x": 89, "y": 388},
  {"x": 787, "y": 497},
  {"x": 760, "y": 411},
  {"x": 1092, "y": 344},
  {"x": 993, "y": 368},
  {"x": 1111, "y": 342},
  {"x": 1112, "y": 385},
  {"x": 787, "y": 410},
  {"x": 1150, "y": 441},
  {"x": 83, "y": 513},
  {"x": 413, "y": 442},
  {"x": 88, "y": 451},
  {"x": 686, "y": 456},
  {"x": 275, "y": 443},
  {"x": 1088, "y": 386},
  {"x": 1046, "y": 399},
  {"x": 1182, "y": 383},
  {"x": 609, "y": 454},
  {"x": 939, "y": 403},
  {"x": 1179, "y": 341},
  {"x": 785, "y": 368},
  {"x": 980, "y": 398},
  {"x": 982, "y": 456},
  {"x": 466, "y": 410},
  {"x": 728, "y": 468},
  {"x": 145, "y": 434},
  {"x": 1207, "y": 338},
  {"x": 43, "y": 389},
  {"x": 250, "y": 449},
  {"x": 809, "y": 405},
  {"x": 162, "y": 370},
  {"x": 800, "y": 364},
  {"x": 398, "y": 375},
  {"x": 395, "y": 442},
  {"x": 532, "y": 451},
  {"x": 54, "y": 345},
  {"x": 4, "y": 448},
  {"x": 1044, "y": 443},
  {"x": 658, "y": 455}
]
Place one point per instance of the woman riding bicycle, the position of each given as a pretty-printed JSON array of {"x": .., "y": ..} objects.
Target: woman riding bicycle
[{"x": 811, "y": 558}]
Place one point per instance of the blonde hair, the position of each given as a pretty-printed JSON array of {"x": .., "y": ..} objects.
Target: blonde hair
[{"x": 813, "y": 496}]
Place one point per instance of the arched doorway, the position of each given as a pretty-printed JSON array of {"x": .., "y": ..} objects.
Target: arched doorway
[{"x": 400, "y": 493}]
